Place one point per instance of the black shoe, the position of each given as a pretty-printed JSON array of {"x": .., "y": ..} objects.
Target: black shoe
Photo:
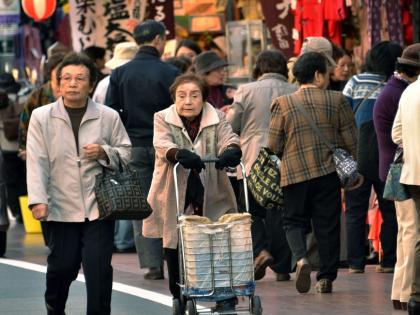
[
  {"x": 413, "y": 307},
  {"x": 154, "y": 273},
  {"x": 124, "y": 250},
  {"x": 225, "y": 305}
]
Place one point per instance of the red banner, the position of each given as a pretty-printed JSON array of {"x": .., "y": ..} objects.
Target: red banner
[
  {"x": 279, "y": 20},
  {"x": 163, "y": 11}
]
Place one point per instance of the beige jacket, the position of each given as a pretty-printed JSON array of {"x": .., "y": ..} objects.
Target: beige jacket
[
  {"x": 250, "y": 113},
  {"x": 406, "y": 131},
  {"x": 214, "y": 136},
  {"x": 56, "y": 174}
]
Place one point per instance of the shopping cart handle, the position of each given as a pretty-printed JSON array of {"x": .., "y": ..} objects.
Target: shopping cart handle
[{"x": 210, "y": 160}]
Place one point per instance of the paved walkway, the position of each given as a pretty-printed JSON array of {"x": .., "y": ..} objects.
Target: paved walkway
[{"x": 22, "y": 288}]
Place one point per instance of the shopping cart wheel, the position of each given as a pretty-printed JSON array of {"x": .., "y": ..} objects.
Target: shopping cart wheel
[
  {"x": 256, "y": 308},
  {"x": 176, "y": 307},
  {"x": 190, "y": 309}
]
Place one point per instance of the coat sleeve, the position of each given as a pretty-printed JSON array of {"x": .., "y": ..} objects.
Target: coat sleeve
[
  {"x": 347, "y": 127},
  {"x": 37, "y": 162},
  {"x": 118, "y": 142},
  {"x": 397, "y": 128},
  {"x": 112, "y": 98},
  {"x": 225, "y": 135},
  {"x": 276, "y": 134},
  {"x": 234, "y": 115},
  {"x": 162, "y": 137}
]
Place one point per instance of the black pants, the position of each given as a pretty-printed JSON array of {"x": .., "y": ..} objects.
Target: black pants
[
  {"x": 357, "y": 204},
  {"x": 268, "y": 233},
  {"x": 317, "y": 199},
  {"x": 15, "y": 178},
  {"x": 171, "y": 257},
  {"x": 89, "y": 243}
]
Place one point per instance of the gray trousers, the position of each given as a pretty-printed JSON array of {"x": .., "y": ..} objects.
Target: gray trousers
[{"x": 149, "y": 250}]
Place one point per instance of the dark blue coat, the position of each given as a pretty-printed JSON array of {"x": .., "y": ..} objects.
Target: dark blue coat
[{"x": 138, "y": 90}]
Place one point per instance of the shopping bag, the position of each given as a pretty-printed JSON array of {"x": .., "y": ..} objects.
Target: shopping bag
[{"x": 264, "y": 180}]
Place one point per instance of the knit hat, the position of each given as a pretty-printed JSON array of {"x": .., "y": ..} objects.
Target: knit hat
[
  {"x": 208, "y": 61},
  {"x": 320, "y": 45},
  {"x": 410, "y": 56},
  {"x": 123, "y": 53}
]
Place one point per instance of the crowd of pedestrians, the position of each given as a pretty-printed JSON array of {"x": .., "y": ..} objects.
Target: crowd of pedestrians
[{"x": 154, "y": 113}]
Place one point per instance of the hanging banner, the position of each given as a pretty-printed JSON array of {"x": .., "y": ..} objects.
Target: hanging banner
[
  {"x": 106, "y": 23},
  {"x": 279, "y": 20},
  {"x": 9, "y": 11}
]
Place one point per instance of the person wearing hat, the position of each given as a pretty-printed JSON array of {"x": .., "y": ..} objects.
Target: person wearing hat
[
  {"x": 123, "y": 53},
  {"x": 212, "y": 69},
  {"x": 137, "y": 90},
  {"x": 384, "y": 111},
  {"x": 320, "y": 45},
  {"x": 361, "y": 91},
  {"x": 13, "y": 166}
]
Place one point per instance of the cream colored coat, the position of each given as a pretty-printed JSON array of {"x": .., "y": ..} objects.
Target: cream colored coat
[
  {"x": 219, "y": 198},
  {"x": 57, "y": 175},
  {"x": 406, "y": 131}
]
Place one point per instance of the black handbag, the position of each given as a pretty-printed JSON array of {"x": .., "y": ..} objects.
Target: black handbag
[
  {"x": 264, "y": 180},
  {"x": 344, "y": 162},
  {"x": 119, "y": 194}
]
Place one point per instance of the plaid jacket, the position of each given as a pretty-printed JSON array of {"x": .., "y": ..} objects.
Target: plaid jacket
[{"x": 304, "y": 155}]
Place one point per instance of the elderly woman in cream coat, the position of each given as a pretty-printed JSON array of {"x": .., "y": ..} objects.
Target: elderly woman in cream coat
[
  {"x": 405, "y": 133},
  {"x": 186, "y": 132}
]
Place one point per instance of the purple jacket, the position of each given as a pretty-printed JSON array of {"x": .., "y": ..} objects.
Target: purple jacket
[{"x": 384, "y": 112}]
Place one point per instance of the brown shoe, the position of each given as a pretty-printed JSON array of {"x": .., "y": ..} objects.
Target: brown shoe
[
  {"x": 380, "y": 269},
  {"x": 324, "y": 286},
  {"x": 261, "y": 262},
  {"x": 303, "y": 276},
  {"x": 397, "y": 305}
]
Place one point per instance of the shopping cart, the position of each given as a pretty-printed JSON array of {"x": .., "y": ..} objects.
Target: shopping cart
[{"x": 215, "y": 261}]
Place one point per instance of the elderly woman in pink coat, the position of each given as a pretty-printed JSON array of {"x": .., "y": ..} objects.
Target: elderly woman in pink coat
[{"x": 187, "y": 132}]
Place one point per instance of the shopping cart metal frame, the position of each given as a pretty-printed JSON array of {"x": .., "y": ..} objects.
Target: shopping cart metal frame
[{"x": 190, "y": 305}]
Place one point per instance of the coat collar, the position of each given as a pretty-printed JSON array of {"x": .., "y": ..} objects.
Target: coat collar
[
  {"x": 272, "y": 75},
  {"x": 58, "y": 111},
  {"x": 209, "y": 117}
]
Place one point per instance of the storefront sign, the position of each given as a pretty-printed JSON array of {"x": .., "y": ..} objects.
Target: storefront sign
[
  {"x": 9, "y": 11},
  {"x": 279, "y": 21},
  {"x": 105, "y": 23}
]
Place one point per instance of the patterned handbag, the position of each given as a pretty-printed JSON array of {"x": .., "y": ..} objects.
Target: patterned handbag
[
  {"x": 393, "y": 189},
  {"x": 264, "y": 180},
  {"x": 119, "y": 194}
]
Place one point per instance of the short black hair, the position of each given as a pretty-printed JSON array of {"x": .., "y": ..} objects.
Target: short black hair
[
  {"x": 79, "y": 59},
  {"x": 270, "y": 61},
  {"x": 146, "y": 31},
  {"x": 190, "y": 44},
  {"x": 95, "y": 52},
  {"x": 307, "y": 64},
  {"x": 409, "y": 70},
  {"x": 183, "y": 64},
  {"x": 337, "y": 52},
  {"x": 190, "y": 78},
  {"x": 381, "y": 59}
]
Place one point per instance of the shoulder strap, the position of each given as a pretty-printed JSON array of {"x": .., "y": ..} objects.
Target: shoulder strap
[{"x": 367, "y": 96}]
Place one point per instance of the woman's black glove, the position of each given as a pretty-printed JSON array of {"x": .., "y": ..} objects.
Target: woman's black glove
[
  {"x": 189, "y": 160},
  {"x": 229, "y": 158}
]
